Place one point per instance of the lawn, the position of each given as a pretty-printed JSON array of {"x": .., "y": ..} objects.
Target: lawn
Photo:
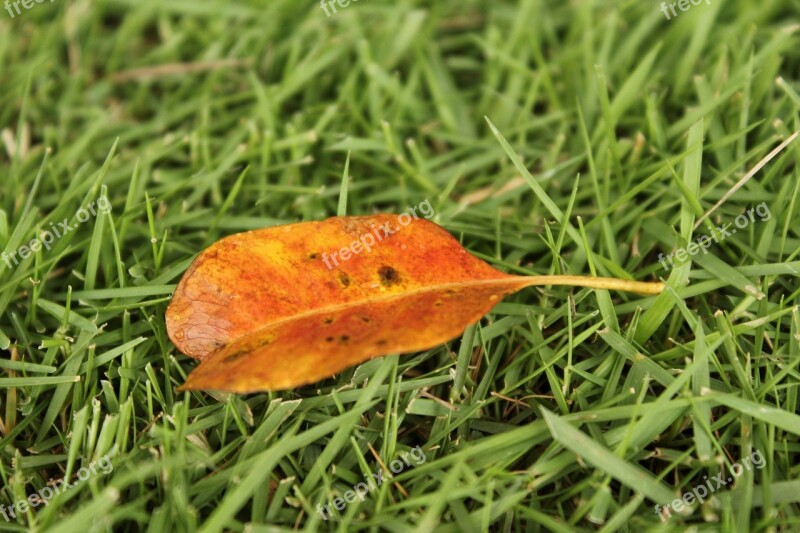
[{"x": 627, "y": 139}]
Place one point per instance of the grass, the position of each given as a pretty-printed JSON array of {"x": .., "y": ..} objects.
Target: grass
[{"x": 550, "y": 137}]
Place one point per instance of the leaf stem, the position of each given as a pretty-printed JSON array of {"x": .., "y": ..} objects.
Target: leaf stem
[{"x": 617, "y": 284}]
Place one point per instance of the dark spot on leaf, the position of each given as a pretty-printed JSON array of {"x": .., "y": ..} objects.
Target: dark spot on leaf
[
  {"x": 382, "y": 342},
  {"x": 365, "y": 319},
  {"x": 313, "y": 255},
  {"x": 328, "y": 320},
  {"x": 344, "y": 279},
  {"x": 329, "y": 339},
  {"x": 344, "y": 338},
  {"x": 235, "y": 355},
  {"x": 450, "y": 292},
  {"x": 388, "y": 275},
  {"x": 437, "y": 303}
]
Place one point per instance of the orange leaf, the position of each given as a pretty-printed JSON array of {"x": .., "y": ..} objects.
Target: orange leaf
[{"x": 284, "y": 306}]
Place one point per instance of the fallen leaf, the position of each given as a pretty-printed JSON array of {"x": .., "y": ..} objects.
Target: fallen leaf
[{"x": 280, "y": 307}]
